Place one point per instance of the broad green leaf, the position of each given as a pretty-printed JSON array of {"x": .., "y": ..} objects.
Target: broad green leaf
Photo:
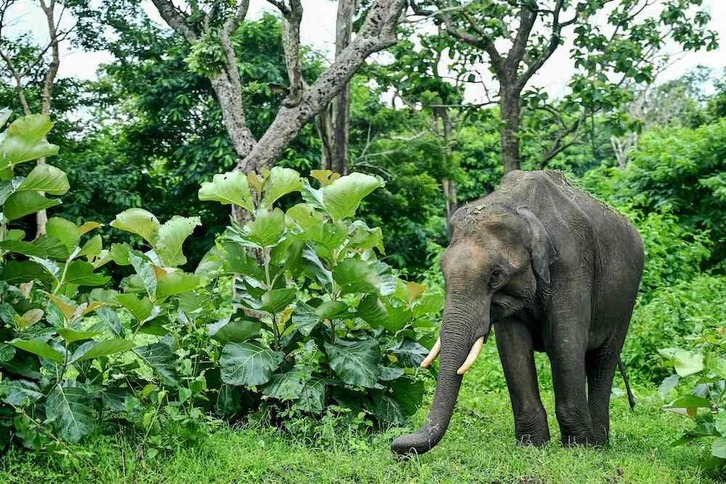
[
  {"x": 354, "y": 276},
  {"x": 211, "y": 265},
  {"x": 39, "y": 348},
  {"x": 248, "y": 363},
  {"x": 97, "y": 349},
  {"x": 237, "y": 330},
  {"x": 17, "y": 272},
  {"x": 171, "y": 236},
  {"x": 175, "y": 283},
  {"x": 389, "y": 373},
  {"x": 7, "y": 352},
  {"x": 53, "y": 268},
  {"x": 372, "y": 311},
  {"x": 317, "y": 268},
  {"x": 362, "y": 237},
  {"x": 356, "y": 363},
  {"x": 140, "y": 307},
  {"x": 68, "y": 309},
  {"x": 398, "y": 315},
  {"x": 407, "y": 393},
  {"x": 161, "y": 358},
  {"x": 312, "y": 397},
  {"x": 108, "y": 319},
  {"x": 686, "y": 362},
  {"x": 342, "y": 197},
  {"x": 304, "y": 216},
  {"x": 279, "y": 183},
  {"x": 71, "y": 335},
  {"x": 286, "y": 386},
  {"x": 120, "y": 254},
  {"x": 429, "y": 304},
  {"x": 718, "y": 448},
  {"x": 81, "y": 273},
  {"x": 89, "y": 226},
  {"x": 69, "y": 410},
  {"x": 720, "y": 423},
  {"x": 267, "y": 227},
  {"x": 387, "y": 409},
  {"x": 237, "y": 259},
  {"x": 92, "y": 248},
  {"x": 28, "y": 318},
  {"x": 146, "y": 274},
  {"x": 65, "y": 231},
  {"x": 43, "y": 246},
  {"x": 690, "y": 401},
  {"x": 228, "y": 188},
  {"x": 410, "y": 353},
  {"x": 313, "y": 196},
  {"x": 228, "y": 401},
  {"x": 138, "y": 221},
  {"x": 325, "y": 177},
  {"x": 669, "y": 383},
  {"x": 20, "y": 204},
  {"x": 304, "y": 318},
  {"x": 332, "y": 310},
  {"x": 275, "y": 300},
  {"x": 46, "y": 178},
  {"x": 25, "y": 141},
  {"x": 18, "y": 392}
]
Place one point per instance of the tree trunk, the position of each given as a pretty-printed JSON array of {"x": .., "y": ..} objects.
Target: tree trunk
[
  {"x": 230, "y": 102},
  {"x": 46, "y": 96},
  {"x": 511, "y": 119},
  {"x": 341, "y": 103}
]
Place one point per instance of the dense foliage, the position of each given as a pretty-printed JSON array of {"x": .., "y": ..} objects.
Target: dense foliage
[{"x": 304, "y": 311}]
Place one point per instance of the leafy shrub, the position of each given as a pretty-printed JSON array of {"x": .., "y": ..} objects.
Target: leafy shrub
[
  {"x": 320, "y": 322},
  {"x": 700, "y": 383},
  {"x": 672, "y": 317},
  {"x": 74, "y": 354}
]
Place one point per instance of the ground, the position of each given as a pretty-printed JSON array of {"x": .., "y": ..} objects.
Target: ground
[{"x": 479, "y": 447}]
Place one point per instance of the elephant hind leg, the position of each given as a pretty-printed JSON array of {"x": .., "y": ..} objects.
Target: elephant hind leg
[{"x": 600, "y": 364}]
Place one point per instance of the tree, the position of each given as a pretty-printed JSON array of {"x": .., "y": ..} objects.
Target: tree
[
  {"x": 26, "y": 62},
  {"x": 605, "y": 55},
  {"x": 209, "y": 29}
]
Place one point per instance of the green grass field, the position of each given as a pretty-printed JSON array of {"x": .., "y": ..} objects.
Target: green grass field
[{"x": 479, "y": 447}]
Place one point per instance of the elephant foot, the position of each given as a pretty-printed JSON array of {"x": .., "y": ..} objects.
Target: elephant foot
[
  {"x": 528, "y": 440},
  {"x": 569, "y": 440}
]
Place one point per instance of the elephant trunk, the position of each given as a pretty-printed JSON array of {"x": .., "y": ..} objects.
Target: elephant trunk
[{"x": 458, "y": 336}]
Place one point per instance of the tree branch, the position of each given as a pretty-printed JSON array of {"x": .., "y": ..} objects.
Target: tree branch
[
  {"x": 176, "y": 19},
  {"x": 377, "y": 32}
]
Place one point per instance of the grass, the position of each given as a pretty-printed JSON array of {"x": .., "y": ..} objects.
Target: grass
[{"x": 479, "y": 447}]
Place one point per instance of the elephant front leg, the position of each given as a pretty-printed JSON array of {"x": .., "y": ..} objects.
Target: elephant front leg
[{"x": 514, "y": 343}]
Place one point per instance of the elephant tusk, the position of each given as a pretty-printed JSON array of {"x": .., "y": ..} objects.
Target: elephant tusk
[
  {"x": 473, "y": 355},
  {"x": 432, "y": 355}
]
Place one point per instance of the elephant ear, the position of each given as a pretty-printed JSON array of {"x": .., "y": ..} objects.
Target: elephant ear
[{"x": 543, "y": 251}]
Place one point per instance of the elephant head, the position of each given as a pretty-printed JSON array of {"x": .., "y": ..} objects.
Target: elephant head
[{"x": 492, "y": 267}]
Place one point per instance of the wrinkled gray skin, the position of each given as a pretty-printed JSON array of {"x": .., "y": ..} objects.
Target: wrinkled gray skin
[{"x": 553, "y": 270}]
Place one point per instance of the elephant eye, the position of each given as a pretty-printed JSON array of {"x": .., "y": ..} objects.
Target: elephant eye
[{"x": 497, "y": 279}]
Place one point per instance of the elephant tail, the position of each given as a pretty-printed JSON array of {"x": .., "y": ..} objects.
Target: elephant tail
[{"x": 631, "y": 398}]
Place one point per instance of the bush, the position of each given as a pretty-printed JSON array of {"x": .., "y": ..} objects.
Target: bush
[
  {"x": 320, "y": 322},
  {"x": 699, "y": 382},
  {"x": 673, "y": 316}
]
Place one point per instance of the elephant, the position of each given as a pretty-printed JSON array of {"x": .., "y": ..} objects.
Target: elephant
[{"x": 553, "y": 270}]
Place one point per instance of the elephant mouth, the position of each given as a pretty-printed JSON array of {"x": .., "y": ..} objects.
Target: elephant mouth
[{"x": 470, "y": 358}]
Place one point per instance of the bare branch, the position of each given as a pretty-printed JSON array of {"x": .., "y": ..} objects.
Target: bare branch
[
  {"x": 176, "y": 19},
  {"x": 18, "y": 82},
  {"x": 377, "y": 32}
]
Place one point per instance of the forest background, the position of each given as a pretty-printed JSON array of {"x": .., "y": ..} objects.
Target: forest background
[{"x": 273, "y": 317}]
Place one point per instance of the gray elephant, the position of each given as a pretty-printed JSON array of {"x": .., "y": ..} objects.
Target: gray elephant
[{"x": 553, "y": 270}]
